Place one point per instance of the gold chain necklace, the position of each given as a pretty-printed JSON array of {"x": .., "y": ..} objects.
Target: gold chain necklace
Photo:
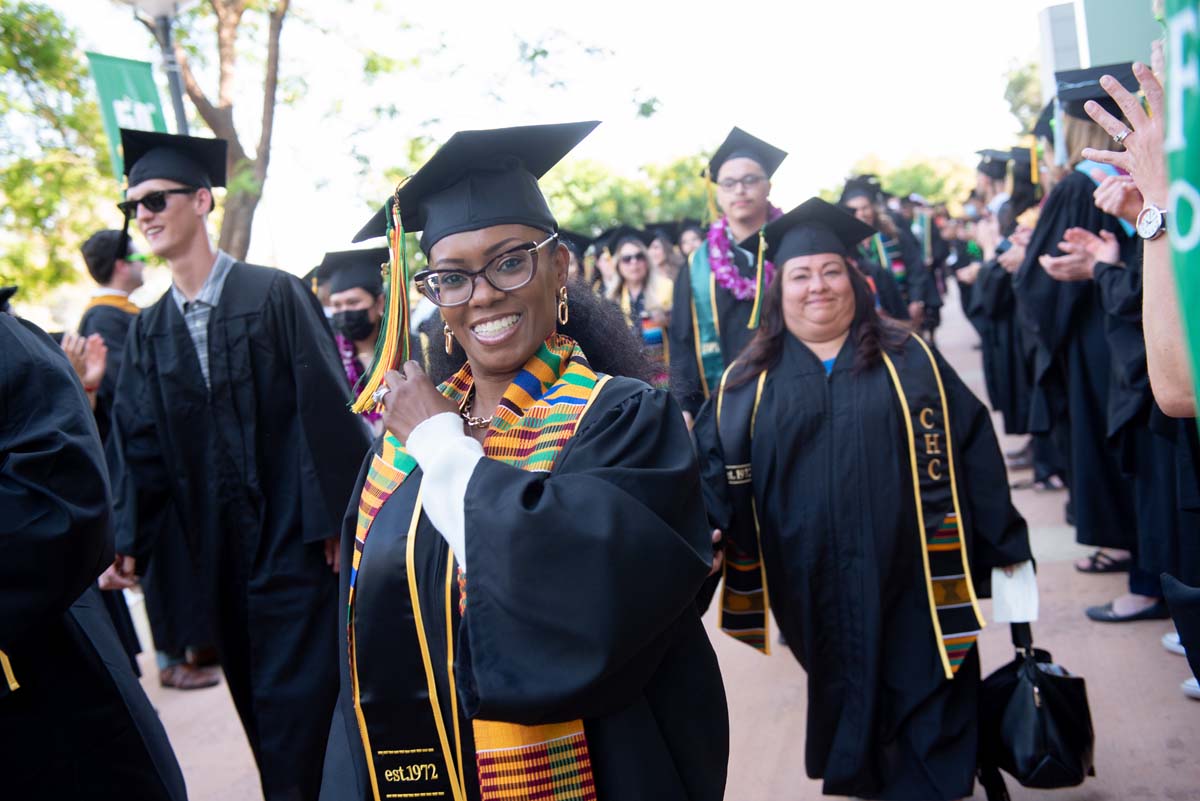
[{"x": 465, "y": 412}]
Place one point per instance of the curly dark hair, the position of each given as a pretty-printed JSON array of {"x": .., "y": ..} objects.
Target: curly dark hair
[
  {"x": 595, "y": 323},
  {"x": 871, "y": 333}
]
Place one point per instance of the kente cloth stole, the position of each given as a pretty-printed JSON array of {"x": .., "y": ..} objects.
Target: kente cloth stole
[
  {"x": 117, "y": 301},
  {"x": 537, "y": 416},
  {"x": 742, "y": 612},
  {"x": 953, "y": 605},
  {"x": 706, "y": 326}
]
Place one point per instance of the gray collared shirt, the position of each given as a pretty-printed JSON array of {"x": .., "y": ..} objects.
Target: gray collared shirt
[{"x": 196, "y": 313}]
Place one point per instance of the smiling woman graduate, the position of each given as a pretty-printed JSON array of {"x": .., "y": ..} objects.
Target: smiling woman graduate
[
  {"x": 863, "y": 497},
  {"x": 529, "y": 537}
]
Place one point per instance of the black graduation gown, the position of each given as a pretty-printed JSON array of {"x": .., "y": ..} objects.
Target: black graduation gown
[
  {"x": 887, "y": 290},
  {"x": 78, "y": 725},
  {"x": 1072, "y": 366},
  {"x": 733, "y": 314},
  {"x": 1005, "y": 369},
  {"x": 580, "y": 588},
  {"x": 921, "y": 284},
  {"x": 1168, "y": 533},
  {"x": 112, "y": 324},
  {"x": 832, "y": 486},
  {"x": 259, "y": 469}
]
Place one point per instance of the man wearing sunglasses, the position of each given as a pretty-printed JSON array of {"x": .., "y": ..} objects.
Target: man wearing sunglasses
[{"x": 231, "y": 413}]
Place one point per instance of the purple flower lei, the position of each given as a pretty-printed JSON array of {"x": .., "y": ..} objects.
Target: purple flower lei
[{"x": 720, "y": 257}]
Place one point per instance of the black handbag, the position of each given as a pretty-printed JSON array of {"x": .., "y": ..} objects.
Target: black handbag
[{"x": 1034, "y": 723}]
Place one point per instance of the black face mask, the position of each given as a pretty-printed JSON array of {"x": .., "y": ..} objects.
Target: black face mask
[{"x": 354, "y": 325}]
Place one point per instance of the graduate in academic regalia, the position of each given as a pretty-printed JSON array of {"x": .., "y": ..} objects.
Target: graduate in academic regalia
[
  {"x": 715, "y": 294},
  {"x": 174, "y": 600},
  {"x": 528, "y": 538},
  {"x": 861, "y": 198},
  {"x": 863, "y": 498},
  {"x": 355, "y": 286},
  {"x": 1072, "y": 362},
  {"x": 74, "y": 721},
  {"x": 231, "y": 413}
]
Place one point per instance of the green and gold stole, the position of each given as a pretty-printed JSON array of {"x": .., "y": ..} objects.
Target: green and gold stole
[
  {"x": 537, "y": 416},
  {"x": 706, "y": 325},
  {"x": 953, "y": 605}
]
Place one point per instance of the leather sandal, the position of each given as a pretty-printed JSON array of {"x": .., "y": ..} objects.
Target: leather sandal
[{"x": 1101, "y": 562}]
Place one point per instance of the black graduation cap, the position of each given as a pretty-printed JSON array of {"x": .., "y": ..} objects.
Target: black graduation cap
[
  {"x": 667, "y": 230},
  {"x": 6, "y": 293},
  {"x": 348, "y": 269},
  {"x": 689, "y": 224},
  {"x": 576, "y": 241},
  {"x": 479, "y": 179},
  {"x": 611, "y": 239},
  {"x": 1076, "y": 87},
  {"x": 189, "y": 160},
  {"x": 1044, "y": 127},
  {"x": 1025, "y": 165},
  {"x": 812, "y": 227},
  {"x": 993, "y": 163},
  {"x": 861, "y": 186},
  {"x": 739, "y": 144}
]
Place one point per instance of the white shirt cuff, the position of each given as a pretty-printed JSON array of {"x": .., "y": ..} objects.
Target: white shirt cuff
[
  {"x": 447, "y": 458},
  {"x": 1015, "y": 597}
]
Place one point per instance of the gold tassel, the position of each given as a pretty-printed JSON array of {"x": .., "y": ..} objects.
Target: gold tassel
[
  {"x": 391, "y": 349},
  {"x": 759, "y": 289}
]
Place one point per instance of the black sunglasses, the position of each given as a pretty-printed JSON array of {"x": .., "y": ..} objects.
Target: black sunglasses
[
  {"x": 632, "y": 257},
  {"x": 154, "y": 201}
]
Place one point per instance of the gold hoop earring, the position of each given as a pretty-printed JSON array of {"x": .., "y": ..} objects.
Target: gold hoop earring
[
  {"x": 564, "y": 310},
  {"x": 449, "y": 339}
]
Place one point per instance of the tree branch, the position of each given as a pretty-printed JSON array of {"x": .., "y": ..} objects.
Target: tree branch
[
  {"x": 195, "y": 92},
  {"x": 262, "y": 155}
]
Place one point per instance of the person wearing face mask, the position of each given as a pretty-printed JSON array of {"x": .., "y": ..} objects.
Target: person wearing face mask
[
  {"x": 713, "y": 309},
  {"x": 356, "y": 302},
  {"x": 863, "y": 499}
]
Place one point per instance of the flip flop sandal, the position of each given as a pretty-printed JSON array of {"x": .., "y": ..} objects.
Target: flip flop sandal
[
  {"x": 1101, "y": 562},
  {"x": 1105, "y": 614},
  {"x": 1052, "y": 484}
]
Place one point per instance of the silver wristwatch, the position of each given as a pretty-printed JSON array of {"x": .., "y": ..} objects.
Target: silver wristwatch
[{"x": 1151, "y": 222}]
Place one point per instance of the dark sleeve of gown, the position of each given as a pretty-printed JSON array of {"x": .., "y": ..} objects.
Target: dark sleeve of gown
[
  {"x": 576, "y": 579},
  {"x": 141, "y": 482},
  {"x": 999, "y": 536},
  {"x": 888, "y": 292},
  {"x": 54, "y": 528},
  {"x": 335, "y": 438},
  {"x": 685, "y": 373},
  {"x": 112, "y": 325}
]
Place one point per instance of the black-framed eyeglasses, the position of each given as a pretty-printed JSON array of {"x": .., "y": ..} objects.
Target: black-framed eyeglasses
[
  {"x": 509, "y": 271},
  {"x": 153, "y": 201},
  {"x": 747, "y": 182}
]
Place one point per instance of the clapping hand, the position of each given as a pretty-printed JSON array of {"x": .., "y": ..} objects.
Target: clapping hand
[
  {"x": 1081, "y": 250},
  {"x": 88, "y": 357},
  {"x": 1117, "y": 195}
]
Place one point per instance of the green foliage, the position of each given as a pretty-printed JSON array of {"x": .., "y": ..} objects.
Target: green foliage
[
  {"x": 54, "y": 168},
  {"x": 589, "y": 197},
  {"x": 937, "y": 180},
  {"x": 1023, "y": 92}
]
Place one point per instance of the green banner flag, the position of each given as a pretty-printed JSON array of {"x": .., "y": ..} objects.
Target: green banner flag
[{"x": 128, "y": 99}]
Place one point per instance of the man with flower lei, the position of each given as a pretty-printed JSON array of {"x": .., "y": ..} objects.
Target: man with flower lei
[{"x": 715, "y": 309}]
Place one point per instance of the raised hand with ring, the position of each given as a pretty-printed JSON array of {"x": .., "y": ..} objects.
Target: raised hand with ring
[{"x": 410, "y": 399}]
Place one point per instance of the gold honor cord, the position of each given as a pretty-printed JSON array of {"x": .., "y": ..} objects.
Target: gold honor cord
[
  {"x": 456, "y": 788},
  {"x": 450, "y": 667},
  {"x": 10, "y": 678}
]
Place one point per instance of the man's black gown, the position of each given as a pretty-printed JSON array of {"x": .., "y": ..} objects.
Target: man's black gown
[
  {"x": 174, "y": 600},
  {"x": 1072, "y": 366},
  {"x": 1005, "y": 369},
  {"x": 733, "y": 315},
  {"x": 833, "y": 490},
  {"x": 580, "y": 592},
  {"x": 259, "y": 470},
  {"x": 78, "y": 725}
]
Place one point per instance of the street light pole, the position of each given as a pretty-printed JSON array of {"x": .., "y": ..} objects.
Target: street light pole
[{"x": 162, "y": 32}]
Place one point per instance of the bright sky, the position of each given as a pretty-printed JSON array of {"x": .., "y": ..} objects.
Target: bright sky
[{"x": 829, "y": 82}]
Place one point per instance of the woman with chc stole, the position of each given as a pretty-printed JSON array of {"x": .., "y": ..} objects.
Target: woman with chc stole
[
  {"x": 863, "y": 499},
  {"x": 529, "y": 537}
]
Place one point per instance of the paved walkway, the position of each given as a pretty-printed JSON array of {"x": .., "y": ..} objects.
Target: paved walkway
[{"x": 1147, "y": 733}]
